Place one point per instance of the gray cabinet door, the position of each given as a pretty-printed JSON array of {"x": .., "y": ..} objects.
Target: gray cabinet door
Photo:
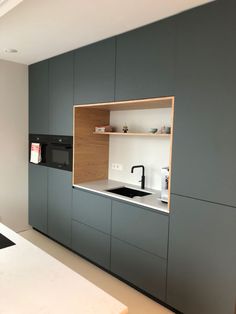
[
  {"x": 93, "y": 210},
  {"x": 204, "y": 146},
  {"x": 145, "y": 61},
  {"x": 59, "y": 205},
  {"x": 144, "y": 270},
  {"x": 61, "y": 80},
  {"x": 95, "y": 72},
  {"x": 38, "y": 98},
  {"x": 202, "y": 257},
  {"x": 140, "y": 227},
  {"x": 38, "y": 197},
  {"x": 93, "y": 244}
]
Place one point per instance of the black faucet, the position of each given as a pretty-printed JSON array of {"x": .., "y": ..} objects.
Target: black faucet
[{"x": 143, "y": 176}]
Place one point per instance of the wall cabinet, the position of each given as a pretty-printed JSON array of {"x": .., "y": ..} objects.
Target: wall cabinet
[
  {"x": 202, "y": 257},
  {"x": 95, "y": 72},
  {"x": 38, "y": 197},
  {"x": 59, "y": 205},
  {"x": 61, "y": 81},
  {"x": 38, "y": 98},
  {"x": 145, "y": 62},
  {"x": 204, "y": 125}
]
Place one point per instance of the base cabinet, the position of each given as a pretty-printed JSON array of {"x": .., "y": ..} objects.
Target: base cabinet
[
  {"x": 144, "y": 270},
  {"x": 38, "y": 197},
  {"x": 59, "y": 205},
  {"x": 91, "y": 243},
  {"x": 202, "y": 257}
]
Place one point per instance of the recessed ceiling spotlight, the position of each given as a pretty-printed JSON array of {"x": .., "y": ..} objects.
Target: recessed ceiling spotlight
[{"x": 10, "y": 50}]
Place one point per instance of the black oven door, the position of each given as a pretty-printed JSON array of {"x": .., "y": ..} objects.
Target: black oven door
[{"x": 59, "y": 156}]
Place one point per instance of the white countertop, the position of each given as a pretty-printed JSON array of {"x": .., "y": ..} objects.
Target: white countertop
[
  {"x": 32, "y": 282},
  {"x": 101, "y": 186}
]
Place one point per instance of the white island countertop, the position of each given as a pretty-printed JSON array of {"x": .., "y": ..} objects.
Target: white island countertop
[{"x": 33, "y": 282}]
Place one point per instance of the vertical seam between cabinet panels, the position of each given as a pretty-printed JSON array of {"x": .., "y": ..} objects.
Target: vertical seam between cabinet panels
[
  {"x": 168, "y": 239},
  {"x": 115, "y": 68},
  {"x": 110, "y": 234}
]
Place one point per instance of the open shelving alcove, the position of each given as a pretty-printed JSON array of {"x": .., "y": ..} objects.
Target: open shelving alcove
[{"x": 91, "y": 149}]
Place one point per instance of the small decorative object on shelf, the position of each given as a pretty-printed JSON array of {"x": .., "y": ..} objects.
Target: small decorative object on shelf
[
  {"x": 153, "y": 130},
  {"x": 105, "y": 128},
  {"x": 165, "y": 130},
  {"x": 125, "y": 128}
]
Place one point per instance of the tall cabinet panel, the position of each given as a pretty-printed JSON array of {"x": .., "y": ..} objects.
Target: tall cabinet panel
[
  {"x": 204, "y": 146},
  {"x": 38, "y": 98},
  {"x": 202, "y": 257},
  {"x": 38, "y": 197},
  {"x": 59, "y": 205},
  {"x": 145, "y": 61},
  {"x": 95, "y": 72},
  {"x": 61, "y": 80}
]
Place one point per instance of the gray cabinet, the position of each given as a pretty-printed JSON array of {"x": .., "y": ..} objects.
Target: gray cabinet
[
  {"x": 95, "y": 72},
  {"x": 139, "y": 247},
  {"x": 59, "y": 205},
  {"x": 92, "y": 209},
  {"x": 91, "y": 243},
  {"x": 204, "y": 146},
  {"x": 202, "y": 257},
  {"x": 145, "y": 61},
  {"x": 140, "y": 227},
  {"x": 38, "y": 197},
  {"x": 91, "y": 226},
  {"x": 61, "y": 81},
  {"x": 38, "y": 98},
  {"x": 146, "y": 271}
]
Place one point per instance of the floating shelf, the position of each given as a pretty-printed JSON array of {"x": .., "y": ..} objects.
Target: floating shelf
[{"x": 132, "y": 134}]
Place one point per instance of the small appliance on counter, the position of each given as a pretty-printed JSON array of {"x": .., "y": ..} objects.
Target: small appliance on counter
[{"x": 164, "y": 184}]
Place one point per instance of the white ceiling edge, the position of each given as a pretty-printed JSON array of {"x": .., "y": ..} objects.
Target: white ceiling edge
[
  {"x": 8, "y": 5},
  {"x": 43, "y": 29}
]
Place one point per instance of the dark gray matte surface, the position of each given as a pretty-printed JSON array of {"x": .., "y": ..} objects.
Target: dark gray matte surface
[
  {"x": 143, "y": 228},
  {"x": 204, "y": 147},
  {"x": 202, "y": 257},
  {"x": 93, "y": 210},
  {"x": 95, "y": 72},
  {"x": 59, "y": 205},
  {"x": 145, "y": 61},
  {"x": 38, "y": 98},
  {"x": 38, "y": 197},
  {"x": 144, "y": 270},
  {"x": 61, "y": 80},
  {"x": 91, "y": 243}
]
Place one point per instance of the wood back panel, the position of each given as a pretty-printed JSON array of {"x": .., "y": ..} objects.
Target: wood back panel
[{"x": 91, "y": 152}]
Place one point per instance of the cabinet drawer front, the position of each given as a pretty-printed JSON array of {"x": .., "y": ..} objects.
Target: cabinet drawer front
[
  {"x": 91, "y": 243},
  {"x": 93, "y": 210},
  {"x": 144, "y": 270},
  {"x": 140, "y": 227}
]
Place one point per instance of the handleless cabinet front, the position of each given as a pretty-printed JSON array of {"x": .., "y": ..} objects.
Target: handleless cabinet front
[
  {"x": 91, "y": 226},
  {"x": 61, "y": 83},
  {"x": 38, "y": 197},
  {"x": 59, "y": 205}
]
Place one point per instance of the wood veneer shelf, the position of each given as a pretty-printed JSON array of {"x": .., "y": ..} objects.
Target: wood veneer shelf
[{"x": 132, "y": 134}]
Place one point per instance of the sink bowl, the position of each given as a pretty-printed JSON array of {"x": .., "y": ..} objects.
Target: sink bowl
[{"x": 128, "y": 192}]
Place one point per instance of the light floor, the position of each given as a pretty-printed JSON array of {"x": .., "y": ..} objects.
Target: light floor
[{"x": 137, "y": 303}]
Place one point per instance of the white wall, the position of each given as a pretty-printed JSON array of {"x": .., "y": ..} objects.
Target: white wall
[
  {"x": 14, "y": 143},
  {"x": 153, "y": 153}
]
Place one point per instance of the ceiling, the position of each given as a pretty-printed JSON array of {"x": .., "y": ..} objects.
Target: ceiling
[{"x": 40, "y": 29}]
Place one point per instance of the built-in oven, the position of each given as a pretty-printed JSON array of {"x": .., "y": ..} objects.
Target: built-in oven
[{"x": 59, "y": 152}]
